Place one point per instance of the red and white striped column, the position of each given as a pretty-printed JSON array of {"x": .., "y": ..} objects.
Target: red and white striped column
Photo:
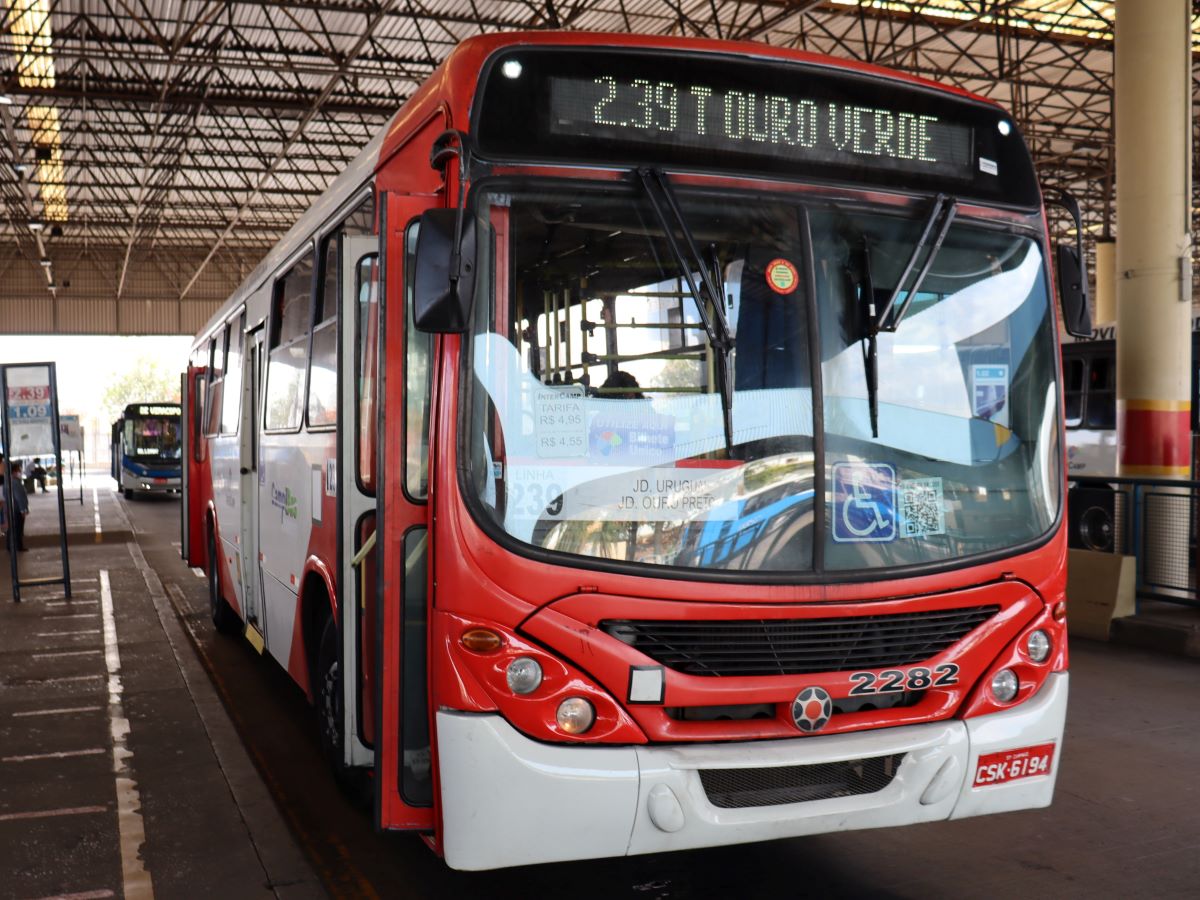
[{"x": 1154, "y": 282}]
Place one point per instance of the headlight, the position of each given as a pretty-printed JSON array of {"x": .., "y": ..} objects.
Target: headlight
[
  {"x": 1037, "y": 645},
  {"x": 523, "y": 675},
  {"x": 1004, "y": 685},
  {"x": 575, "y": 715}
]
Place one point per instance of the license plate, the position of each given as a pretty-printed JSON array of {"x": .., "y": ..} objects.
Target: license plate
[{"x": 1010, "y": 765}]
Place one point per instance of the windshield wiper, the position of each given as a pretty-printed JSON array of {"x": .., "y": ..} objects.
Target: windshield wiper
[
  {"x": 870, "y": 349},
  {"x": 940, "y": 217},
  {"x": 889, "y": 318},
  {"x": 716, "y": 326}
]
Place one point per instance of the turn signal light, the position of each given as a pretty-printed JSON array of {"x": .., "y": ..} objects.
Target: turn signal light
[
  {"x": 481, "y": 640},
  {"x": 1060, "y": 611}
]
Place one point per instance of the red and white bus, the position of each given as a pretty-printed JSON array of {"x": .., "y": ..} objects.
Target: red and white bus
[{"x": 651, "y": 443}]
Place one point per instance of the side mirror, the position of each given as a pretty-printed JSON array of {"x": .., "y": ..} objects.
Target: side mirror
[
  {"x": 1072, "y": 277},
  {"x": 444, "y": 280},
  {"x": 1073, "y": 290}
]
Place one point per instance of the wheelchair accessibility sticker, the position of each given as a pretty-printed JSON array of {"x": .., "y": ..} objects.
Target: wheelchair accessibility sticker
[{"x": 864, "y": 501}]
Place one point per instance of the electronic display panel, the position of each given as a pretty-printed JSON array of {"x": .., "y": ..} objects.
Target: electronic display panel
[
  {"x": 702, "y": 111},
  {"x": 744, "y": 122}
]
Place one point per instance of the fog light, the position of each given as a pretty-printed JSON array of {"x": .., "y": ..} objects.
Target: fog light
[
  {"x": 1037, "y": 645},
  {"x": 575, "y": 715},
  {"x": 1004, "y": 685},
  {"x": 523, "y": 675}
]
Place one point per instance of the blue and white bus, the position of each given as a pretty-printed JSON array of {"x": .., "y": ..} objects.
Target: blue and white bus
[{"x": 146, "y": 449}]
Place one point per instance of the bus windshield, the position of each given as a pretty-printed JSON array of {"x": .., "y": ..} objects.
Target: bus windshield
[
  {"x": 152, "y": 437},
  {"x": 596, "y": 423}
]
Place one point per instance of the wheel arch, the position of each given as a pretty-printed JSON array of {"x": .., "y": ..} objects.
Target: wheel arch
[{"x": 318, "y": 605}]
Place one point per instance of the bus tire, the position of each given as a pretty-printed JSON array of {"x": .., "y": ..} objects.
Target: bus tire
[
  {"x": 128, "y": 492},
  {"x": 224, "y": 619},
  {"x": 327, "y": 696}
]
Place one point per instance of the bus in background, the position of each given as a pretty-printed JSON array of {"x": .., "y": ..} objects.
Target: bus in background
[
  {"x": 1090, "y": 410},
  {"x": 1090, "y": 400},
  {"x": 147, "y": 448},
  {"x": 651, "y": 443}
]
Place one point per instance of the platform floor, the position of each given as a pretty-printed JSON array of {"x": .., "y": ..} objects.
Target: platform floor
[
  {"x": 234, "y": 799},
  {"x": 120, "y": 771}
]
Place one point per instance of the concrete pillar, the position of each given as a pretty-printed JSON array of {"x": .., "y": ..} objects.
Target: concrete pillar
[
  {"x": 1153, "y": 130},
  {"x": 1106, "y": 278}
]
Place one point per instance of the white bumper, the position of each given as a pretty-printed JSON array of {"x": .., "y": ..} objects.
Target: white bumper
[{"x": 508, "y": 800}]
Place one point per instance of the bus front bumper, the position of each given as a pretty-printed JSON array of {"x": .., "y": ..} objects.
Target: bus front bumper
[
  {"x": 155, "y": 485},
  {"x": 508, "y": 800}
]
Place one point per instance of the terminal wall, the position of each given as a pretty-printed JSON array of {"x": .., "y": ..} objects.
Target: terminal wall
[{"x": 91, "y": 298}]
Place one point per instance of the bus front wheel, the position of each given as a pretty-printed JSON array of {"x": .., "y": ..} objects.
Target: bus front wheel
[
  {"x": 327, "y": 695},
  {"x": 224, "y": 619}
]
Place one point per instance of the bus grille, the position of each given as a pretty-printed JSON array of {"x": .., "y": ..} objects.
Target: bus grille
[
  {"x": 799, "y": 646},
  {"x": 741, "y": 788}
]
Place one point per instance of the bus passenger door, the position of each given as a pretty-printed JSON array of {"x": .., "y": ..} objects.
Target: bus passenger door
[
  {"x": 353, "y": 474},
  {"x": 252, "y": 361},
  {"x": 194, "y": 545},
  {"x": 404, "y": 769}
]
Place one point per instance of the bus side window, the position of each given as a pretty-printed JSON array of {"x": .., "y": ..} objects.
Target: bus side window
[
  {"x": 418, "y": 357},
  {"x": 216, "y": 380},
  {"x": 322, "y": 365},
  {"x": 322, "y": 379},
  {"x": 231, "y": 405},
  {"x": 1101, "y": 395},
  {"x": 366, "y": 290},
  {"x": 1073, "y": 391},
  {"x": 287, "y": 352},
  {"x": 197, "y": 423}
]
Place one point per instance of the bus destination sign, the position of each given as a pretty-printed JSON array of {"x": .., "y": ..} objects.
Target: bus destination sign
[
  {"x": 736, "y": 114},
  {"x": 158, "y": 410},
  {"x": 745, "y": 121}
]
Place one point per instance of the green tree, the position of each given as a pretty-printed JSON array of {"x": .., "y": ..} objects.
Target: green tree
[{"x": 145, "y": 380}]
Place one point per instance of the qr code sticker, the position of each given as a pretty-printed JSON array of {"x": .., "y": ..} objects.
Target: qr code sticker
[{"x": 922, "y": 508}]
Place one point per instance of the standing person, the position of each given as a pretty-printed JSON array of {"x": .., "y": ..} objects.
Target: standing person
[
  {"x": 39, "y": 475},
  {"x": 16, "y": 530}
]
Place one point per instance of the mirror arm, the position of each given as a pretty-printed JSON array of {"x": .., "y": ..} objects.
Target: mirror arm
[
  {"x": 1081, "y": 324},
  {"x": 454, "y": 144},
  {"x": 1071, "y": 205}
]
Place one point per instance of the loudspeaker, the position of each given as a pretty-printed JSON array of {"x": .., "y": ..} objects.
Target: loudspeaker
[{"x": 1091, "y": 519}]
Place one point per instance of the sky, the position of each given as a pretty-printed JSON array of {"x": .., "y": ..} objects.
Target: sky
[{"x": 86, "y": 364}]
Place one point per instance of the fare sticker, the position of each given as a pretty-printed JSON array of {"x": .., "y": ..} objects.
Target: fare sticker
[{"x": 782, "y": 276}]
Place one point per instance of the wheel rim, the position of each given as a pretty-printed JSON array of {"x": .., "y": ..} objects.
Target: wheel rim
[
  {"x": 330, "y": 714},
  {"x": 213, "y": 584}
]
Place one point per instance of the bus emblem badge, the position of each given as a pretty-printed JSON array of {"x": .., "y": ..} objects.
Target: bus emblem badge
[{"x": 811, "y": 709}]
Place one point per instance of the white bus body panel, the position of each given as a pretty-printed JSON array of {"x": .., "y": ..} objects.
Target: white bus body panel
[
  {"x": 224, "y": 461},
  {"x": 1091, "y": 452},
  {"x": 289, "y": 468},
  {"x": 576, "y": 802}
]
